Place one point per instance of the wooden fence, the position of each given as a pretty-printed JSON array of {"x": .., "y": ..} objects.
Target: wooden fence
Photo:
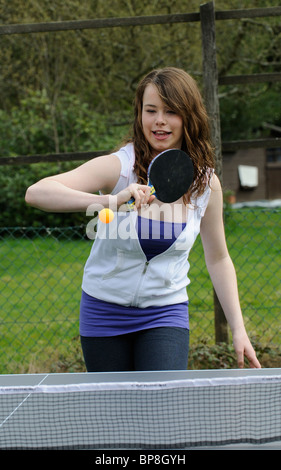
[{"x": 207, "y": 16}]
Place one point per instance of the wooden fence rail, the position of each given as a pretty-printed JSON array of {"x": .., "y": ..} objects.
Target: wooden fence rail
[
  {"x": 84, "y": 156},
  {"x": 134, "y": 21}
]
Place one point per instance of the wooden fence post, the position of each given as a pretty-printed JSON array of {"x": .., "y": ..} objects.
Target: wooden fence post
[{"x": 210, "y": 83}]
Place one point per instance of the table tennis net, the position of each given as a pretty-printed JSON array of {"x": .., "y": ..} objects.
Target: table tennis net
[{"x": 177, "y": 414}]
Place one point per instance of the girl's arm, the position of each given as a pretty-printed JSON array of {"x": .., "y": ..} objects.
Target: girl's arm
[
  {"x": 74, "y": 191},
  {"x": 223, "y": 275}
]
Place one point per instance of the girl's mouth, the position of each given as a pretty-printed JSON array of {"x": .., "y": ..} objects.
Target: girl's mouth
[{"x": 161, "y": 135}]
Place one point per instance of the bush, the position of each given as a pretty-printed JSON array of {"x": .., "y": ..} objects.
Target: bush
[
  {"x": 39, "y": 127},
  {"x": 223, "y": 356}
]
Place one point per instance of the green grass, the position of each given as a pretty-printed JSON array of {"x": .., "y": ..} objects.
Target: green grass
[
  {"x": 253, "y": 239},
  {"x": 40, "y": 279},
  {"x": 40, "y": 284}
]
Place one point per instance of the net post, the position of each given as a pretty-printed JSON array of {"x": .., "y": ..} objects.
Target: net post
[{"x": 210, "y": 84}]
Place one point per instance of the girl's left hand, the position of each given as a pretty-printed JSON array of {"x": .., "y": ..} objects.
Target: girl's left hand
[{"x": 244, "y": 348}]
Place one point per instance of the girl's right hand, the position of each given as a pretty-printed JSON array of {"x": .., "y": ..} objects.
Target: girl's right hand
[{"x": 140, "y": 192}]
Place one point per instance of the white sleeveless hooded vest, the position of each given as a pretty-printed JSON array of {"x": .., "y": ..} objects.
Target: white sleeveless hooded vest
[{"x": 117, "y": 269}]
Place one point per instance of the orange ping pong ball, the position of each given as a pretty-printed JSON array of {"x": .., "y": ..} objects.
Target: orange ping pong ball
[{"x": 106, "y": 215}]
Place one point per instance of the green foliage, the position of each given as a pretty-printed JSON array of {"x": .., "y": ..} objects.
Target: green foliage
[
  {"x": 37, "y": 127},
  {"x": 33, "y": 128},
  {"x": 223, "y": 356},
  {"x": 217, "y": 356},
  {"x": 243, "y": 114}
]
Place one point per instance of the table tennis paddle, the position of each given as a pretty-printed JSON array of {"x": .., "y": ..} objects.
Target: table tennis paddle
[{"x": 170, "y": 175}]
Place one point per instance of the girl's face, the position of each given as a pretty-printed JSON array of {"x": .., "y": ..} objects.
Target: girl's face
[{"x": 162, "y": 127}]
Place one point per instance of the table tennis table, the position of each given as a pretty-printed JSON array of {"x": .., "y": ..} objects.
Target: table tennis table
[{"x": 221, "y": 409}]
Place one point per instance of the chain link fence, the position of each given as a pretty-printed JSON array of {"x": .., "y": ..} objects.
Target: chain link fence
[{"x": 40, "y": 278}]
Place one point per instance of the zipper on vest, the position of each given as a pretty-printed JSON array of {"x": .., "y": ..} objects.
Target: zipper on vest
[
  {"x": 145, "y": 267},
  {"x": 140, "y": 281}
]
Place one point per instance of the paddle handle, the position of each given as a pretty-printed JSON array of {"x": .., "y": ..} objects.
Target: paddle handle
[{"x": 131, "y": 202}]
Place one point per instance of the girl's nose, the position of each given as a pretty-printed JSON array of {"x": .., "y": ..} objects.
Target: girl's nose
[{"x": 160, "y": 119}]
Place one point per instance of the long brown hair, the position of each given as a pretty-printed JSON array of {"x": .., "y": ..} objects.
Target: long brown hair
[{"x": 180, "y": 93}]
